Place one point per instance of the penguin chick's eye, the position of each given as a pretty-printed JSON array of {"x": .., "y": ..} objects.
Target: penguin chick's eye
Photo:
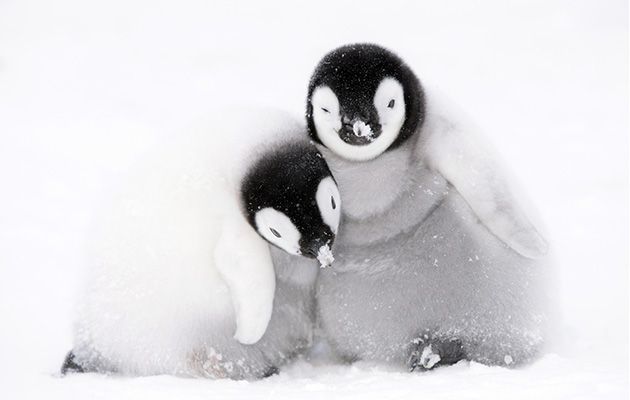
[
  {"x": 275, "y": 232},
  {"x": 391, "y": 103},
  {"x": 325, "y": 110},
  {"x": 332, "y": 203}
]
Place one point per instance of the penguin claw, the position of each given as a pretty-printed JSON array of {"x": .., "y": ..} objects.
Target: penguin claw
[{"x": 413, "y": 360}]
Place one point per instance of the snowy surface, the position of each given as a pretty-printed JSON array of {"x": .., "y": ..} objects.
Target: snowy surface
[{"x": 86, "y": 88}]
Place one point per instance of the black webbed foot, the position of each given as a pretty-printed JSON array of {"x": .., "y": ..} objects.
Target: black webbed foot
[
  {"x": 70, "y": 366},
  {"x": 428, "y": 353},
  {"x": 271, "y": 371}
]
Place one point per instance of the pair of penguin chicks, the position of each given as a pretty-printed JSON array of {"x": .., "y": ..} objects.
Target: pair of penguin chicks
[{"x": 434, "y": 260}]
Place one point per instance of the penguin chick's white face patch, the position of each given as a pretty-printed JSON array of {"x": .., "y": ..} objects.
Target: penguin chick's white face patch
[
  {"x": 329, "y": 202},
  {"x": 278, "y": 229},
  {"x": 389, "y": 101},
  {"x": 390, "y": 105}
]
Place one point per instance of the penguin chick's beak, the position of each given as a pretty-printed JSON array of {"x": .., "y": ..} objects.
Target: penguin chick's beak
[
  {"x": 321, "y": 251},
  {"x": 359, "y": 132}
]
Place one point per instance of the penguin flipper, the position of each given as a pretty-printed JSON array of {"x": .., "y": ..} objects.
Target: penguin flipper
[
  {"x": 244, "y": 262},
  {"x": 463, "y": 161}
]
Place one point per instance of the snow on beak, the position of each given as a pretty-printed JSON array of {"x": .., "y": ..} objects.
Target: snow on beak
[
  {"x": 325, "y": 256},
  {"x": 361, "y": 129},
  {"x": 319, "y": 248}
]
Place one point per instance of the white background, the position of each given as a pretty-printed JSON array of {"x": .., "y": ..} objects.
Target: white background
[{"x": 87, "y": 86}]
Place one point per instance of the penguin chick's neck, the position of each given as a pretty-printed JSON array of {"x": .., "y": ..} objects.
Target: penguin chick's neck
[
  {"x": 369, "y": 187},
  {"x": 293, "y": 269}
]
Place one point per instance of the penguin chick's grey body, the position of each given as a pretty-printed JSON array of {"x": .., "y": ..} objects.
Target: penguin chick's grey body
[
  {"x": 181, "y": 281},
  {"x": 435, "y": 261}
]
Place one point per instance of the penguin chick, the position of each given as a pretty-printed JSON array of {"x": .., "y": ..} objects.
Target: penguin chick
[
  {"x": 204, "y": 264},
  {"x": 432, "y": 239}
]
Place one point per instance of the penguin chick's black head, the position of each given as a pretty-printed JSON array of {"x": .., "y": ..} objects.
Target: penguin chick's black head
[
  {"x": 363, "y": 100},
  {"x": 291, "y": 199}
]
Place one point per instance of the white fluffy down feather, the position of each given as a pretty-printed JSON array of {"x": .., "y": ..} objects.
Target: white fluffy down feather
[{"x": 175, "y": 240}]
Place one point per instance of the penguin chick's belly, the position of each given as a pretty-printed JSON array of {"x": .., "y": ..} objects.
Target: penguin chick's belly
[{"x": 448, "y": 276}]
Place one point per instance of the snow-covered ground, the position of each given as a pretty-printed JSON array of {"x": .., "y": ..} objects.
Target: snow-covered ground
[{"x": 87, "y": 87}]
